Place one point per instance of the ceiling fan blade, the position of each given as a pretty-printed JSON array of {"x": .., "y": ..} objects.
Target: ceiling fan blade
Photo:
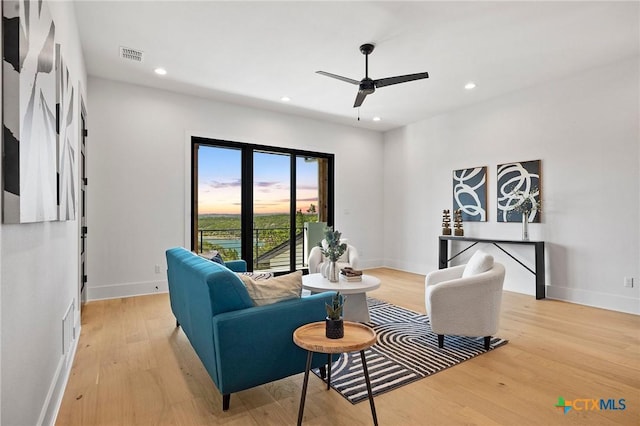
[
  {"x": 360, "y": 98},
  {"x": 339, "y": 77},
  {"x": 400, "y": 79}
]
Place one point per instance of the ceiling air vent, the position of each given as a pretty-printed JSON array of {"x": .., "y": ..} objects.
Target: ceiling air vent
[{"x": 131, "y": 54}]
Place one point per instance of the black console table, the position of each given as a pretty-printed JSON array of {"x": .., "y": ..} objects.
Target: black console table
[{"x": 443, "y": 256}]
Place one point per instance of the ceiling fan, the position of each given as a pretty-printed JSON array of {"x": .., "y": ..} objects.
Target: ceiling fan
[{"x": 367, "y": 86}]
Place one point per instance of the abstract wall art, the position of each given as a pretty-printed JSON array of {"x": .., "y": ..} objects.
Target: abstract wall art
[
  {"x": 470, "y": 193},
  {"x": 66, "y": 132},
  {"x": 519, "y": 187},
  {"x": 29, "y": 119}
]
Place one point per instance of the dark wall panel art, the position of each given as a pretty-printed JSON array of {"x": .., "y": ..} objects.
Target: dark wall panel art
[
  {"x": 470, "y": 193},
  {"x": 519, "y": 188}
]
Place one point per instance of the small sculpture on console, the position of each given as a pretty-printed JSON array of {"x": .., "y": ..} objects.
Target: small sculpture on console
[
  {"x": 458, "y": 232},
  {"x": 446, "y": 222}
]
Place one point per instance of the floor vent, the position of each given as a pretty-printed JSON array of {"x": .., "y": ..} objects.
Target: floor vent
[{"x": 131, "y": 54}]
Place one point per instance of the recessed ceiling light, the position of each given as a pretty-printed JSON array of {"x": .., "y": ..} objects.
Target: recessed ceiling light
[
  {"x": 376, "y": 119},
  {"x": 160, "y": 71},
  {"x": 285, "y": 99},
  {"x": 470, "y": 85}
]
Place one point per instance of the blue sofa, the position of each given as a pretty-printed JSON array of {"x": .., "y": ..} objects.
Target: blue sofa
[{"x": 240, "y": 345}]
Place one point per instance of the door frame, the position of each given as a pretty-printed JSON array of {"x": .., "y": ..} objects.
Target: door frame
[{"x": 82, "y": 208}]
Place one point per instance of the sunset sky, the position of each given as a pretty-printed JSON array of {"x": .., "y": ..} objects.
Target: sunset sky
[{"x": 219, "y": 182}]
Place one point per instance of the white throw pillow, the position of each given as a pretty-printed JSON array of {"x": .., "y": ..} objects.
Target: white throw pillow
[
  {"x": 480, "y": 262},
  {"x": 272, "y": 290}
]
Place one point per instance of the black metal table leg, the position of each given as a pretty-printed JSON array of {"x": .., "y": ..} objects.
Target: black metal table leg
[
  {"x": 304, "y": 387},
  {"x": 443, "y": 254},
  {"x": 540, "y": 272},
  {"x": 328, "y": 371},
  {"x": 366, "y": 379}
]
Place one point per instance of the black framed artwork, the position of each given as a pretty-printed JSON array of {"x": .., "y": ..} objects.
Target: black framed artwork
[
  {"x": 470, "y": 193},
  {"x": 519, "y": 191}
]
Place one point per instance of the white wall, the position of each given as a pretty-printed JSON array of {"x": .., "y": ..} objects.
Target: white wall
[
  {"x": 585, "y": 130},
  {"x": 39, "y": 280},
  {"x": 138, "y": 185}
]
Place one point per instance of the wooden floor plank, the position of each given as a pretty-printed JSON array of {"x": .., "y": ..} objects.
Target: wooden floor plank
[{"x": 133, "y": 366}]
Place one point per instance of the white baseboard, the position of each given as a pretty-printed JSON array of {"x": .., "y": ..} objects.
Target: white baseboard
[
  {"x": 52, "y": 402},
  {"x": 611, "y": 302},
  {"x": 369, "y": 264},
  {"x": 115, "y": 291}
]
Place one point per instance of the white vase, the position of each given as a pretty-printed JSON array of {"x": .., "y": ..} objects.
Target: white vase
[
  {"x": 525, "y": 226},
  {"x": 333, "y": 272}
]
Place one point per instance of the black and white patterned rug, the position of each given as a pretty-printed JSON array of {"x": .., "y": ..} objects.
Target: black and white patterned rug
[{"x": 406, "y": 350}]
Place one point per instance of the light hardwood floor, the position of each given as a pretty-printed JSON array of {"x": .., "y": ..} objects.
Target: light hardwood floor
[{"x": 133, "y": 366}]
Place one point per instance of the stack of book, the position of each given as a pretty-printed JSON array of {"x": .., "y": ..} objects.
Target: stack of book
[{"x": 350, "y": 274}]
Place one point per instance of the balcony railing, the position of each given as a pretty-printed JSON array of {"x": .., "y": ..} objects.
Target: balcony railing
[{"x": 271, "y": 246}]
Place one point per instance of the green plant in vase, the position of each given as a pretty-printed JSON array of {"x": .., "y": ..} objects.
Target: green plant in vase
[
  {"x": 526, "y": 202},
  {"x": 334, "y": 322},
  {"x": 332, "y": 249}
]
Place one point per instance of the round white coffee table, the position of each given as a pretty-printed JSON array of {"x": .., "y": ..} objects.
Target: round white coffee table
[{"x": 355, "y": 307}]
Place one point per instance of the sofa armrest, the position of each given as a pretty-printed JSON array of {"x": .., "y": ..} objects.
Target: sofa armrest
[
  {"x": 255, "y": 345},
  {"x": 236, "y": 265}
]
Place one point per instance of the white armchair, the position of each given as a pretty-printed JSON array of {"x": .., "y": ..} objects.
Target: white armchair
[
  {"x": 465, "y": 300},
  {"x": 317, "y": 261}
]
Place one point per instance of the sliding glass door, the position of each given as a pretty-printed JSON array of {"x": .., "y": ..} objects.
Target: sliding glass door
[
  {"x": 255, "y": 202},
  {"x": 218, "y": 201},
  {"x": 271, "y": 210}
]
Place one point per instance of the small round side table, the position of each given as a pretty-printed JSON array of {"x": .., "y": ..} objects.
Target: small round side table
[{"x": 357, "y": 337}]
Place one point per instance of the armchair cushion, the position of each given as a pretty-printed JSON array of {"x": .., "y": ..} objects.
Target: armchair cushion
[
  {"x": 275, "y": 289},
  {"x": 480, "y": 262}
]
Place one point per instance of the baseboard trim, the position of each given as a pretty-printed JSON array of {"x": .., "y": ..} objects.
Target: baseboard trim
[
  {"x": 595, "y": 299},
  {"x": 53, "y": 400},
  {"x": 116, "y": 291}
]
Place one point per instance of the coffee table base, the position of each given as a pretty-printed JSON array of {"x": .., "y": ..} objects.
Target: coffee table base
[{"x": 356, "y": 308}]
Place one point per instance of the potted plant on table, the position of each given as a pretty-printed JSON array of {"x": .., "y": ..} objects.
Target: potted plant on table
[
  {"x": 527, "y": 203},
  {"x": 334, "y": 322},
  {"x": 332, "y": 249}
]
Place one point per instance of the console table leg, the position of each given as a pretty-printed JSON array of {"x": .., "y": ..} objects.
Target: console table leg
[
  {"x": 443, "y": 254},
  {"x": 304, "y": 387},
  {"x": 366, "y": 379},
  {"x": 540, "y": 272}
]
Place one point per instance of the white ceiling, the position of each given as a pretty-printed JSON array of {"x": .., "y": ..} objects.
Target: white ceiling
[{"x": 253, "y": 53}]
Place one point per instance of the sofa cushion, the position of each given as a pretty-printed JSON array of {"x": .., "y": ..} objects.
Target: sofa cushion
[
  {"x": 216, "y": 257},
  {"x": 480, "y": 262},
  {"x": 213, "y": 256},
  {"x": 272, "y": 290}
]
